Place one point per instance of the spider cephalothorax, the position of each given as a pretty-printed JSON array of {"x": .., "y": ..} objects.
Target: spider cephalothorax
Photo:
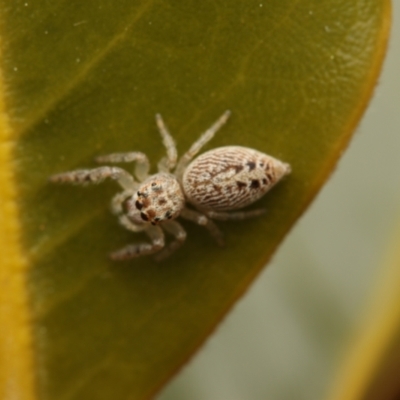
[
  {"x": 159, "y": 198},
  {"x": 216, "y": 183}
]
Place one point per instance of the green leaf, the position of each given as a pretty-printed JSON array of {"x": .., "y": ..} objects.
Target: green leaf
[{"x": 82, "y": 79}]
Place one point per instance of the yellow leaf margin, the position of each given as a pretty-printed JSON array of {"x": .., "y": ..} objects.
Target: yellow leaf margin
[{"x": 16, "y": 358}]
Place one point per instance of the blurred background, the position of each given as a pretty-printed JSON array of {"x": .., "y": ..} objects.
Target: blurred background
[{"x": 288, "y": 336}]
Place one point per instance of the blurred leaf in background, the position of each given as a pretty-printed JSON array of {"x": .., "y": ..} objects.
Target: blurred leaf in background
[
  {"x": 372, "y": 368},
  {"x": 82, "y": 79}
]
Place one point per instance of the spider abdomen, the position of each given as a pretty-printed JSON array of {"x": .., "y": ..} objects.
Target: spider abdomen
[{"x": 231, "y": 177}]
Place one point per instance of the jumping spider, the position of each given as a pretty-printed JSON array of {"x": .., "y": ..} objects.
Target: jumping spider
[{"x": 215, "y": 183}]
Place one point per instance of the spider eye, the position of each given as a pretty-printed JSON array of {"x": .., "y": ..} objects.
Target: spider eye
[
  {"x": 142, "y": 194},
  {"x": 168, "y": 215},
  {"x": 138, "y": 205},
  {"x": 144, "y": 216}
]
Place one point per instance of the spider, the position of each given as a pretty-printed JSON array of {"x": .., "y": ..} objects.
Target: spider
[{"x": 216, "y": 183}]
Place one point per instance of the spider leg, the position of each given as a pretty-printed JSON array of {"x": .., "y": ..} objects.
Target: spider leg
[
  {"x": 176, "y": 229},
  {"x": 201, "y": 219},
  {"x": 131, "y": 226},
  {"x": 156, "y": 236},
  {"x": 226, "y": 216},
  {"x": 95, "y": 175},
  {"x": 169, "y": 162},
  {"x": 142, "y": 166},
  {"x": 118, "y": 200},
  {"x": 196, "y": 146}
]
